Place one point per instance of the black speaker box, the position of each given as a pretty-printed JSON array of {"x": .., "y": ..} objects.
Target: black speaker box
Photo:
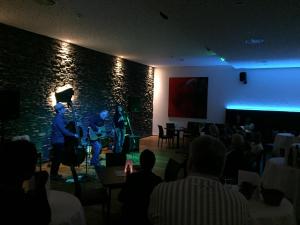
[
  {"x": 243, "y": 77},
  {"x": 131, "y": 144},
  {"x": 10, "y": 104}
]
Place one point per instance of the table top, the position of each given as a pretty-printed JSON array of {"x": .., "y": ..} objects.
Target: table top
[
  {"x": 113, "y": 176},
  {"x": 262, "y": 213}
]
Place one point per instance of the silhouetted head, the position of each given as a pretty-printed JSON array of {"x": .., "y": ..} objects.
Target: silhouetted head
[
  {"x": 147, "y": 160},
  {"x": 237, "y": 140},
  {"x": 18, "y": 160},
  {"x": 207, "y": 156}
]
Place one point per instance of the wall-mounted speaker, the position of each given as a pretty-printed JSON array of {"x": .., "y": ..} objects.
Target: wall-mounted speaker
[{"x": 243, "y": 77}]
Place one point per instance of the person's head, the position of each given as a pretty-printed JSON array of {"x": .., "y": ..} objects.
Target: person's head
[
  {"x": 147, "y": 160},
  {"x": 207, "y": 156},
  {"x": 23, "y": 155},
  {"x": 104, "y": 114},
  {"x": 257, "y": 137},
  {"x": 237, "y": 140},
  {"x": 59, "y": 108},
  {"x": 213, "y": 130},
  {"x": 119, "y": 109}
]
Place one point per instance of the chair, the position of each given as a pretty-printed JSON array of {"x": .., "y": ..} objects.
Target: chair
[
  {"x": 172, "y": 170},
  {"x": 161, "y": 135},
  {"x": 115, "y": 159},
  {"x": 192, "y": 130},
  {"x": 170, "y": 132}
]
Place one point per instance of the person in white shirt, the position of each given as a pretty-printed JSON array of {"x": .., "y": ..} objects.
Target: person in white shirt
[{"x": 200, "y": 198}]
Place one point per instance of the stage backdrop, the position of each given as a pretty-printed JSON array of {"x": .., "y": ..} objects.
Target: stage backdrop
[{"x": 188, "y": 97}]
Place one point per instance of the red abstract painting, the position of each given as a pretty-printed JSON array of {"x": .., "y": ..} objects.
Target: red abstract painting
[{"x": 188, "y": 97}]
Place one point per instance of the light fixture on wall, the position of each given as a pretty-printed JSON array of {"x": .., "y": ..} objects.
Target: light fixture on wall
[
  {"x": 65, "y": 95},
  {"x": 62, "y": 94}
]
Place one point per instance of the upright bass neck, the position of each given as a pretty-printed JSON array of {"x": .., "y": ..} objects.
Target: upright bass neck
[{"x": 75, "y": 122}]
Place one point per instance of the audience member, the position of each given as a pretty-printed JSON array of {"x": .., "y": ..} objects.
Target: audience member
[
  {"x": 213, "y": 130},
  {"x": 200, "y": 198},
  {"x": 137, "y": 189},
  {"x": 235, "y": 159},
  {"x": 17, "y": 164},
  {"x": 256, "y": 152}
]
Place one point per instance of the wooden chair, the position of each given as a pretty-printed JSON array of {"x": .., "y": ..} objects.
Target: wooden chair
[
  {"x": 192, "y": 130},
  {"x": 170, "y": 133},
  {"x": 172, "y": 170},
  {"x": 161, "y": 136}
]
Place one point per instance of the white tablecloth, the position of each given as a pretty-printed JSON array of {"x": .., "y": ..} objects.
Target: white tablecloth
[
  {"x": 279, "y": 176},
  {"x": 282, "y": 141},
  {"x": 262, "y": 214},
  {"x": 66, "y": 209}
]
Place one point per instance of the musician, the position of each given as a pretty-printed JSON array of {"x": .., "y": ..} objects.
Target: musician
[
  {"x": 120, "y": 129},
  {"x": 58, "y": 134},
  {"x": 97, "y": 127}
]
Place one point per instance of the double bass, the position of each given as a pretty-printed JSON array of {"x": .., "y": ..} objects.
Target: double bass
[{"x": 74, "y": 150}]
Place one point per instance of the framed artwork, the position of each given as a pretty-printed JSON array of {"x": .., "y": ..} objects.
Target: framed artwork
[{"x": 188, "y": 97}]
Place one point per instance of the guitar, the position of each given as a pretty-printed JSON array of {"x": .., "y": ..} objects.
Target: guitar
[{"x": 97, "y": 135}]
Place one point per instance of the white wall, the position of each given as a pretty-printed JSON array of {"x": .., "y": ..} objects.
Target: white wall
[{"x": 273, "y": 87}]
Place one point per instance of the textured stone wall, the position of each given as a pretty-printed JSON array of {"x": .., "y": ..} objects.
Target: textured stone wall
[{"x": 37, "y": 65}]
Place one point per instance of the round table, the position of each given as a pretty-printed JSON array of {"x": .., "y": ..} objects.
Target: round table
[
  {"x": 262, "y": 214},
  {"x": 282, "y": 141},
  {"x": 278, "y": 175}
]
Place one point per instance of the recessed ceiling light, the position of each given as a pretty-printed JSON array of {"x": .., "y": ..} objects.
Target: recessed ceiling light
[{"x": 46, "y": 2}]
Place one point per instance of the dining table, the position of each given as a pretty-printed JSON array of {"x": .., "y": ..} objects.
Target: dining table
[
  {"x": 278, "y": 175},
  {"x": 112, "y": 177}
]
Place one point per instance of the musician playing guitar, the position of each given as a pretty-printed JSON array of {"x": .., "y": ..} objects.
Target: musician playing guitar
[{"x": 96, "y": 132}]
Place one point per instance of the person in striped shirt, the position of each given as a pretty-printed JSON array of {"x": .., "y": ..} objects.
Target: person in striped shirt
[{"x": 200, "y": 198}]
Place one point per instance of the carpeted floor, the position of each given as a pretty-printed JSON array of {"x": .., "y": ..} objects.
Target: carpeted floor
[{"x": 94, "y": 214}]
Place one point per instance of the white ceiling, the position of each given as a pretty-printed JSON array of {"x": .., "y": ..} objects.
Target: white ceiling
[{"x": 196, "y": 33}]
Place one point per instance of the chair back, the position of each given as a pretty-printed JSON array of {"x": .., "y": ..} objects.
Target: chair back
[
  {"x": 170, "y": 129},
  {"x": 160, "y": 131},
  {"x": 115, "y": 159},
  {"x": 172, "y": 169}
]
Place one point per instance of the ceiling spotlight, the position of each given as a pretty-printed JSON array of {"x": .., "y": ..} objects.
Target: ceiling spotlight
[
  {"x": 164, "y": 16},
  {"x": 46, "y": 2}
]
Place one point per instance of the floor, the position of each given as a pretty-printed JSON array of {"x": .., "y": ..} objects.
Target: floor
[{"x": 94, "y": 213}]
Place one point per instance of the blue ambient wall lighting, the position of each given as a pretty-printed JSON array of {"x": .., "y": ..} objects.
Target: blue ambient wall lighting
[{"x": 265, "y": 108}]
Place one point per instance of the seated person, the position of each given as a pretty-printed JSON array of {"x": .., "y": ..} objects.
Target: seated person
[
  {"x": 200, "y": 198},
  {"x": 235, "y": 159},
  {"x": 213, "y": 130},
  {"x": 256, "y": 151},
  {"x": 137, "y": 189},
  {"x": 17, "y": 164}
]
